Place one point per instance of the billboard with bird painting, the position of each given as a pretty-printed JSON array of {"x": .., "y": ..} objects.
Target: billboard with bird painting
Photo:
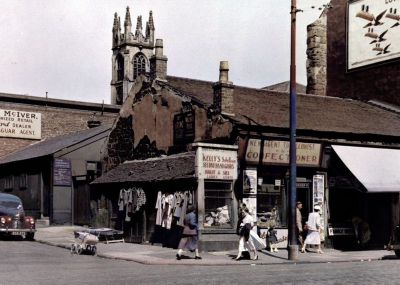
[{"x": 373, "y": 32}]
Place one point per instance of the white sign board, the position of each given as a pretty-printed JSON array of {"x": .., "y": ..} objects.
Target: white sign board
[
  {"x": 372, "y": 32},
  {"x": 277, "y": 152},
  {"x": 20, "y": 124},
  {"x": 217, "y": 164}
]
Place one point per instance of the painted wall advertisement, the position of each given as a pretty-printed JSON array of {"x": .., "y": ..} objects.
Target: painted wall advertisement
[
  {"x": 217, "y": 164},
  {"x": 372, "y": 32},
  {"x": 277, "y": 152},
  {"x": 20, "y": 124}
]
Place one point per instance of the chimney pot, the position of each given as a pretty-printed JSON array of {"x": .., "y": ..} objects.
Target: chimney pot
[{"x": 223, "y": 71}]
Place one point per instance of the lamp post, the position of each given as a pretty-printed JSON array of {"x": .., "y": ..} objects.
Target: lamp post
[{"x": 293, "y": 248}]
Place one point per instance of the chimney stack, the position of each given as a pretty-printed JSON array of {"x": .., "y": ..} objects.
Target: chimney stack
[
  {"x": 223, "y": 91},
  {"x": 158, "y": 62}
]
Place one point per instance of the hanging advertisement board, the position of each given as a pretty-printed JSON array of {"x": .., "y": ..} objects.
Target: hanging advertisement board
[{"x": 372, "y": 32}]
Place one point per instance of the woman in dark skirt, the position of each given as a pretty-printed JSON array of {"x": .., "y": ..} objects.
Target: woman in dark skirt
[{"x": 190, "y": 235}]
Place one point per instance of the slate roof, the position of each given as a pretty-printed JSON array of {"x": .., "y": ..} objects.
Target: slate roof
[
  {"x": 51, "y": 146},
  {"x": 173, "y": 167},
  {"x": 314, "y": 113},
  {"x": 285, "y": 87}
]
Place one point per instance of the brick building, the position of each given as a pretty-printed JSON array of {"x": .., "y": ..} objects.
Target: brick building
[
  {"x": 38, "y": 136},
  {"x": 329, "y": 65},
  {"x": 58, "y": 117}
]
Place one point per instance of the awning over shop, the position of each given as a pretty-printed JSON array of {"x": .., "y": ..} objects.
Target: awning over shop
[{"x": 378, "y": 169}]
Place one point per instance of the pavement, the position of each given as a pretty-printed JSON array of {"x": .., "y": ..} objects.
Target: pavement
[{"x": 63, "y": 236}]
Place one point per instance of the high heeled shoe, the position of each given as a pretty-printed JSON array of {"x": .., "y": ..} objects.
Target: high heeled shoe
[
  {"x": 302, "y": 250},
  {"x": 255, "y": 257},
  {"x": 320, "y": 251}
]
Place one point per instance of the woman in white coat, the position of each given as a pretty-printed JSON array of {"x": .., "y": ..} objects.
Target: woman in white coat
[
  {"x": 313, "y": 230},
  {"x": 246, "y": 241}
]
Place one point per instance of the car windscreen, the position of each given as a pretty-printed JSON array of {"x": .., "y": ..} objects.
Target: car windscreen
[{"x": 10, "y": 207}]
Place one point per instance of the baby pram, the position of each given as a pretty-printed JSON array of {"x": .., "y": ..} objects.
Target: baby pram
[{"x": 84, "y": 242}]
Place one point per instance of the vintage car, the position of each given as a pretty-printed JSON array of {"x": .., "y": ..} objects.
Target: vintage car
[{"x": 13, "y": 220}]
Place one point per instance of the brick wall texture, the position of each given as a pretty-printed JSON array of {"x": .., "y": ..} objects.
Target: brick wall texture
[{"x": 55, "y": 122}]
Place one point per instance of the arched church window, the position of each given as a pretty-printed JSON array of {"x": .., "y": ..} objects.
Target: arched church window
[
  {"x": 139, "y": 65},
  {"x": 120, "y": 67}
]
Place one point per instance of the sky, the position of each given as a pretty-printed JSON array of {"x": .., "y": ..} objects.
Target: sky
[{"x": 63, "y": 47}]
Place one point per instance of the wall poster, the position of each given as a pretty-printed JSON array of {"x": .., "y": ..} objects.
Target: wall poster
[
  {"x": 250, "y": 181},
  {"x": 318, "y": 198},
  {"x": 373, "y": 27}
]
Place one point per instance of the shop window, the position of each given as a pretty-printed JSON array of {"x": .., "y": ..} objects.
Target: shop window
[
  {"x": 218, "y": 204},
  {"x": 271, "y": 205}
]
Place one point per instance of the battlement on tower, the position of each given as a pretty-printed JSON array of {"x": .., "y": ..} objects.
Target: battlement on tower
[{"x": 137, "y": 38}]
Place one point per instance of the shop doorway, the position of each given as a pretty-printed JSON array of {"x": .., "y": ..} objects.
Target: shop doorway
[{"x": 303, "y": 194}]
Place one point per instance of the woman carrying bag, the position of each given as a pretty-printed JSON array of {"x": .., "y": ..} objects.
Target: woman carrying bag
[{"x": 190, "y": 237}]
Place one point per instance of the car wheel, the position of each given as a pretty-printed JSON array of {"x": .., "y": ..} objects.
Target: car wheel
[
  {"x": 30, "y": 236},
  {"x": 73, "y": 248},
  {"x": 94, "y": 250},
  {"x": 79, "y": 249},
  {"x": 397, "y": 252}
]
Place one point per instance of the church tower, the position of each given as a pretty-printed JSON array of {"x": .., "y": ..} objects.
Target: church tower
[{"x": 131, "y": 54}]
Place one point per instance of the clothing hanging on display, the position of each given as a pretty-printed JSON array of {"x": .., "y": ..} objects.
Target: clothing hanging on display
[
  {"x": 171, "y": 206},
  {"x": 159, "y": 209},
  {"x": 131, "y": 200}
]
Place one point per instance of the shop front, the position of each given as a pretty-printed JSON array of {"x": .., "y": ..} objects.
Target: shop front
[
  {"x": 203, "y": 178},
  {"x": 364, "y": 186},
  {"x": 265, "y": 179}
]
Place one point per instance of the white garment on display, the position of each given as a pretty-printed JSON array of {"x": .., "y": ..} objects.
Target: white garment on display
[{"x": 159, "y": 208}]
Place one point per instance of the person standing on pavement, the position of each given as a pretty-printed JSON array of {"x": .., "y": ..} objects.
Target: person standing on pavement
[
  {"x": 314, "y": 228},
  {"x": 299, "y": 223},
  {"x": 246, "y": 241},
  {"x": 190, "y": 235}
]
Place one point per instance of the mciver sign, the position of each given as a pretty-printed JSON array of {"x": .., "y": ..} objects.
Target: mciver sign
[{"x": 20, "y": 124}]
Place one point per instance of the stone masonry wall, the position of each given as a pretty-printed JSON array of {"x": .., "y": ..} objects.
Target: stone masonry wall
[{"x": 316, "y": 56}]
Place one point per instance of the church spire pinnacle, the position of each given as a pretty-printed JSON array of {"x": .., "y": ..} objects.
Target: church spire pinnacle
[
  {"x": 139, "y": 26},
  {"x": 128, "y": 21},
  {"x": 128, "y": 25},
  {"x": 150, "y": 28}
]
